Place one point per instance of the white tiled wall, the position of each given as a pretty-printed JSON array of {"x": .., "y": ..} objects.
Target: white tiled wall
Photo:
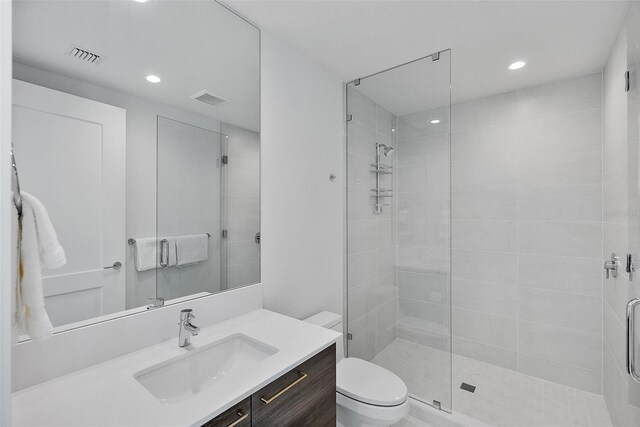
[
  {"x": 621, "y": 164},
  {"x": 424, "y": 312},
  {"x": 371, "y": 240},
  {"x": 526, "y": 181},
  {"x": 242, "y": 198}
]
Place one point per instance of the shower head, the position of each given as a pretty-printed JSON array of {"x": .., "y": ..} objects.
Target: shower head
[{"x": 386, "y": 150}]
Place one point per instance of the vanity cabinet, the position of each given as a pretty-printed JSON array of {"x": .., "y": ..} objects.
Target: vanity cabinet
[
  {"x": 237, "y": 416},
  {"x": 306, "y": 395}
]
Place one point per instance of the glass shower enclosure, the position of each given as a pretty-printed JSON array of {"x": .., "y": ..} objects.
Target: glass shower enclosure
[
  {"x": 398, "y": 305},
  {"x": 191, "y": 201}
]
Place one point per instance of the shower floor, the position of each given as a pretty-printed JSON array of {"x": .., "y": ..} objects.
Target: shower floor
[{"x": 503, "y": 398}]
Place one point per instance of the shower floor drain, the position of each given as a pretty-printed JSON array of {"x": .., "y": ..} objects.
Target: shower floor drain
[{"x": 468, "y": 387}]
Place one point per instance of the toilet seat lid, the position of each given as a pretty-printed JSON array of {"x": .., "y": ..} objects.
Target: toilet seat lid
[{"x": 369, "y": 383}]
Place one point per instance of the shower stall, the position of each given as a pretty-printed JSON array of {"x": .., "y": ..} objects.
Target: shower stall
[{"x": 477, "y": 231}]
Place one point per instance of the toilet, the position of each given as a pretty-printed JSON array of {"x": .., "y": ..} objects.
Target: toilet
[{"x": 366, "y": 394}]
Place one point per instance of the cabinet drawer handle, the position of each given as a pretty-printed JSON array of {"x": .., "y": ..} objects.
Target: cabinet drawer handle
[
  {"x": 242, "y": 416},
  {"x": 284, "y": 390}
]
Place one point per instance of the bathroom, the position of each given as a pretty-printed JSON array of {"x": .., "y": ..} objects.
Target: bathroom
[{"x": 347, "y": 213}]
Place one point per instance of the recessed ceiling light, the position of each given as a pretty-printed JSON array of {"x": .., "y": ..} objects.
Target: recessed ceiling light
[
  {"x": 393, "y": 130},
  {"x": 153, "y": 79},
  {"x": 141, "y": 1},
  {"x": 517, "y": 65},
  {"x": 435, "y": 121}
]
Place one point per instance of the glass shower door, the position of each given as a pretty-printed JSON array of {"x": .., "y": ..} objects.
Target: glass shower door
[
  {"x": 189, "y": 202},
  {"x": 632, "y": 407},
  {"x": 398, "y": 231}
]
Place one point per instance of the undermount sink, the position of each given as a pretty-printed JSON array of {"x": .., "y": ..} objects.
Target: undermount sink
[{"x": 203, "y": 368}]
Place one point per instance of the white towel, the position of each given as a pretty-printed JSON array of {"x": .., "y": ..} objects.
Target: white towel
[
  {"x": 172, "y": 258},
  {"x": 192, "y": 249},
  {"x": 51, "y": 253},
  {"x": 147, "y": 252},
  {"x": 15, "y": 257},
  {"x": 39, "y": 247}
]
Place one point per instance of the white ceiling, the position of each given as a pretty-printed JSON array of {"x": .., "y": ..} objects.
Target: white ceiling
[
  {"x": 557, "y": 39},
  {"x": 192, "y": 45},
  {"x": 418, "y": 86}
]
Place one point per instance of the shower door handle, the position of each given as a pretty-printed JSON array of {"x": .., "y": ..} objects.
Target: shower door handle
[
  {"x": 164, "y": 253},
  {"x": 631, "y": 339}
]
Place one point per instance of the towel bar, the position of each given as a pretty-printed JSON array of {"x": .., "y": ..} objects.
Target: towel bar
[{"x": 131, "y": 240}]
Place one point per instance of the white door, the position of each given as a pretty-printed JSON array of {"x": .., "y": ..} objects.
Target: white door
[{"x": 70, "y": 153}]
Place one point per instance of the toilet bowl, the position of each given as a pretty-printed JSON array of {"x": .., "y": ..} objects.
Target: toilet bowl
[{"x": 366, "y": 394}]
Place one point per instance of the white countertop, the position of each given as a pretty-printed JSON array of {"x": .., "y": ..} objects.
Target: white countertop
[{"x": 108, "y": 395}]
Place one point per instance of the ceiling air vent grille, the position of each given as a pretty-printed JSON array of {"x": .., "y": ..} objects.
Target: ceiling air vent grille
[
  {"x": 84, "y": 55},
  {"x": 209, "y": 98}
]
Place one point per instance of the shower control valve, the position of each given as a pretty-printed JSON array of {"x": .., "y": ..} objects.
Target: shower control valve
[{"x": 612, "y": 266}]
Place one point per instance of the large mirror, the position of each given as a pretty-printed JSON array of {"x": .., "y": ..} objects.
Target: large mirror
[{"x": 136, "y": 125}]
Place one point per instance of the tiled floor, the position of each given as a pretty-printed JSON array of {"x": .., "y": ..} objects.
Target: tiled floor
[
  {"x": 409, "y": 421},
  {"x": 426, "y": 371},
  {"x": 503, "y": 398}
]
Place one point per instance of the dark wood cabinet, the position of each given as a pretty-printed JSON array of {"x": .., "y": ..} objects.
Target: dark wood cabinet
[{"x": 304, "y": 396}]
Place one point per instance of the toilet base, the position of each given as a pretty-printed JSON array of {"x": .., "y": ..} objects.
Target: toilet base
[{"x": 351, "y": 413}]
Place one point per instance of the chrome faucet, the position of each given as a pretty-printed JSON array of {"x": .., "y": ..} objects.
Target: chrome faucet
[{"x": 186, "y": 328}]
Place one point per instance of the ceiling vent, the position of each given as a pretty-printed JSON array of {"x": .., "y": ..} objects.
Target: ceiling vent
[
  {"x": 84, "y": 55},
  {"x": 209, "y": 98}
]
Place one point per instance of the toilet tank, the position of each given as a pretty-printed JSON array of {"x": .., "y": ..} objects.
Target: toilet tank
[{"x": 332, "y": 321}]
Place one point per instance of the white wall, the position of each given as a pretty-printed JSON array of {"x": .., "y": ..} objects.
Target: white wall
[
  {"x": 5, "y": 209},
  {"x": 302, "y": 211}
]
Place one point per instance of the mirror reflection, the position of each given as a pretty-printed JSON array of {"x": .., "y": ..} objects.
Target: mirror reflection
[{"x": 136, "y": 126}]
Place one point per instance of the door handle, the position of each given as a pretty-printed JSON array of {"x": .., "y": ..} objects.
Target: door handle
[
  {"x": 631, "y": 339},
  {"x": 116, "y": 266}
]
